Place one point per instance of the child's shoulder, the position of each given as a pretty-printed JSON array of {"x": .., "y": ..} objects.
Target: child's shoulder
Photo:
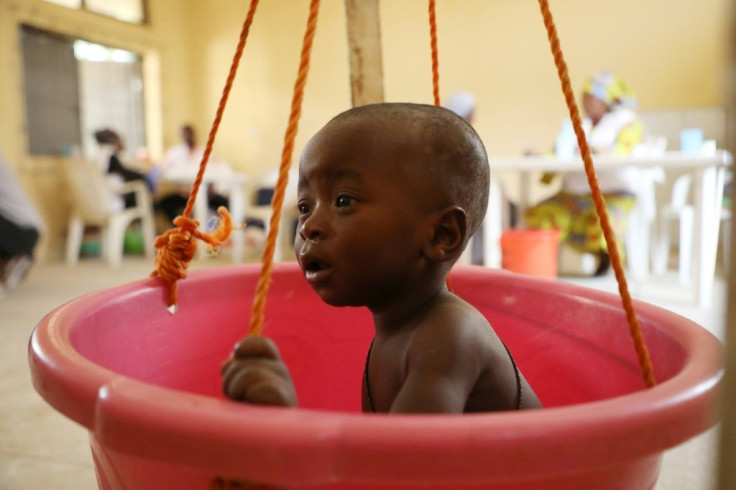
[
  {"x": 452, "y": 312},
  {"x": 452, "y": 325}
]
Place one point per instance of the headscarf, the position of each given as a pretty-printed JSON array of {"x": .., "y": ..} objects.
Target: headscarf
[
  {"x": 610, "y": 89},
  {"x": 461, "y": 103}
]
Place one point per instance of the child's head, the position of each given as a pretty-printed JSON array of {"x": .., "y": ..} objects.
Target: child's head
[{"x": 389, "y": 194}]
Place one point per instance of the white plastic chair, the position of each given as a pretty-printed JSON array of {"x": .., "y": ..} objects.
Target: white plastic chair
[
  {"x": 284, "y": 245},
  {"x": 726, "y": 238},
  {"x": 91, "y": 198},
  {"x": 676, "y": 210}
]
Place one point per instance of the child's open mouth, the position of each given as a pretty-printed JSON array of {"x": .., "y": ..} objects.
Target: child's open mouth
[
  {"x": 313, "y": 266},
  {"x": 315, "y": 271}
]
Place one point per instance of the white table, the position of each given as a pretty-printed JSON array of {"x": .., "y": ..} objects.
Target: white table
[
  {"x": 227, "y": 181},
  {"x": 708, "y": 172}
]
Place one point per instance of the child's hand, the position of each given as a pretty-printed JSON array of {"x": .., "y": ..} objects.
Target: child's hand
[{"x": 256, "y": 374}]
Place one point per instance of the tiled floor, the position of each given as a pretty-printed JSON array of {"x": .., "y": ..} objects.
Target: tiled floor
[{"x": 42, "y": 450}]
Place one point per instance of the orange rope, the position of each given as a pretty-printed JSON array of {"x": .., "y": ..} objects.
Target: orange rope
[
  {"x": 176, "y": 247},
  {"x": 600, "y": 205},
  {"x": 264, "y": 279},
  {"x": 435, "y": 75},
  {"x": 435, "y": 58}
]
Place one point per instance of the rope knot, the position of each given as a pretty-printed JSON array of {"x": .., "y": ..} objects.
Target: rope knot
[{"x": 176, "y": 247}]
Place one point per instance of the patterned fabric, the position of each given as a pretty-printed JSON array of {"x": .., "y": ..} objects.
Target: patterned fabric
[{"x": 576, "y": 218}]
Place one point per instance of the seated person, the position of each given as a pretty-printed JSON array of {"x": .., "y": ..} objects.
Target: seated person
[
  {"x": 110, "y": 146},
  {"x": 612, "y": 127},
  {"x": 388, "y": 197},
  {"x": 185, "y": 157}
]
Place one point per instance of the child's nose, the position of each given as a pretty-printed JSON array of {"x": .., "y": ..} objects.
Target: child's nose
[{"x": 312, "y": 227}]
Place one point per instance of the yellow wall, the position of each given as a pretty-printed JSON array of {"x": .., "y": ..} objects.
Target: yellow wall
[
  {"x": 253, "y": 127},
  {"x": 671, "y": 52}
]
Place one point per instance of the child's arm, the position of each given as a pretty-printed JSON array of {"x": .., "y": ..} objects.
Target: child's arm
[{"x": 256, "y": 374}]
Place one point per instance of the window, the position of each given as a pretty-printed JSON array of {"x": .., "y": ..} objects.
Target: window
[
  {"x": 52, "y": 93},
  {"x": 132, "y": 11},
  {"x": 73, "y": 88}
]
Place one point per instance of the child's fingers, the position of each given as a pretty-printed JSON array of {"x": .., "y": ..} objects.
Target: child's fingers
[
  {"x": 259, "y": 346},
  {"x": 256, "y": 384},
  {"x": 233, "y": 367},
  {"x": 266, "y": 393},
  {"x": 230, "y": 369},
  {"x": 225, "y": 365}
]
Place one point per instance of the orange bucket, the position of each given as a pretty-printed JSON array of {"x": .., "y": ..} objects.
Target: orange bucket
[{"x": 530, "y": 252}]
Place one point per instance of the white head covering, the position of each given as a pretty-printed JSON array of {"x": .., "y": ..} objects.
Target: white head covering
[{"x": 461, "y": 103}]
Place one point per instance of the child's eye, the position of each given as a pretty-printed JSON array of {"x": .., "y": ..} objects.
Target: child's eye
[
  {"x": 343, "y": 201},
  {"x": 303, "y": 208}
]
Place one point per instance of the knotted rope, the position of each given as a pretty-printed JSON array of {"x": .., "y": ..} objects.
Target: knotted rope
[
  {"x": 600, "y": 204},
  {"x": 176, "y": 247}
]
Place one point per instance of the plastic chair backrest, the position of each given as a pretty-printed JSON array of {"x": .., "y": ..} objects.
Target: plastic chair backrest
[
  {"x": 89, "y": 192},
  {"x": 680, "y": 191}
]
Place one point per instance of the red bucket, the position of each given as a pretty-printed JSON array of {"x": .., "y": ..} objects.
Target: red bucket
[{"x": 530, "y": 252}]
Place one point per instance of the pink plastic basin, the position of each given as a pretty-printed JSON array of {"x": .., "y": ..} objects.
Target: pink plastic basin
[{"x": 146, "y": 385}]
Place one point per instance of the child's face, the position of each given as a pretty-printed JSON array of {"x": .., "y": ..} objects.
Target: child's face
[{"x": 360, "y": 232}]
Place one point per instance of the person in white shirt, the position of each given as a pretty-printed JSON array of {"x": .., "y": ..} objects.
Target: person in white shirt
[
  {"x": 612, "y": 127},
  {"x": 108, "y": 158},
  {"x": 185, "y": 158}
]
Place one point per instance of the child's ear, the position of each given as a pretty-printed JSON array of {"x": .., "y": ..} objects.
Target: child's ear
[{"x": 449, "y": 231}]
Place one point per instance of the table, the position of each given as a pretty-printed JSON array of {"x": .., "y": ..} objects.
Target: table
[
  {"x": 228, "y": 181},
  {"x": 707, "y": 171}
]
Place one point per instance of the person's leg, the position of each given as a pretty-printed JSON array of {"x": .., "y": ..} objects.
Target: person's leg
[
  {"x": 172, "y": 205},
  {"x": 618, "y": 206},
  {"x": 555, "y": 213},
  {"x": 16, "y": 253},
  {"x": 16, "y": 240}
]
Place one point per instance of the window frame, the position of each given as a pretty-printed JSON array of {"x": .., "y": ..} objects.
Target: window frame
[
  {"x": 83, "y": 145},
  {"x": 145, "y": 20}
]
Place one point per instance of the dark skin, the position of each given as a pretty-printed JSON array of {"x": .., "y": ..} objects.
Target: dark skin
[
  {"x": 374, "y": 231},
  {"x": 188, "y": 136},
  {"x": 594, "y": 108}
]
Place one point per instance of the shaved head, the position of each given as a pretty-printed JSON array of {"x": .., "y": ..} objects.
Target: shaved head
[{"x": 436, "y": 145}]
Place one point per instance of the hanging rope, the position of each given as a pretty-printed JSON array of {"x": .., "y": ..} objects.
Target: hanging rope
[
  {"x": 600, "y": 204},
  {"x": 177, "y": 246},
  {"x": 435, "y": 58},
  {"x": 264, "y": 279},
  {"x": 435, "y": 76}
]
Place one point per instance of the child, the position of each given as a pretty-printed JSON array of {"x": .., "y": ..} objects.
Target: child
[{"x": 388, "y": 197}]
